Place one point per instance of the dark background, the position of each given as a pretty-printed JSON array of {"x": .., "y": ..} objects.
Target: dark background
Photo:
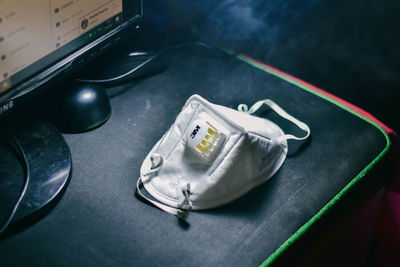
[{"x": 348, "y": 48}]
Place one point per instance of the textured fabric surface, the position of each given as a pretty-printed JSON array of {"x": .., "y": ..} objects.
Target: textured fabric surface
[{"x": 99, "y": 221}]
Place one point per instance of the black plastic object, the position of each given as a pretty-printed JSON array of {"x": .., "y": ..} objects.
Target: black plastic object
[
  {"x": 82, "y": 107},
  {"x": 124, "y": 66},
  {"x": 49, "y": 161}
]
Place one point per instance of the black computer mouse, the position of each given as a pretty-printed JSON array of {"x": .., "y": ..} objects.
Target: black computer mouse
[{"x": 81, "y": 107}]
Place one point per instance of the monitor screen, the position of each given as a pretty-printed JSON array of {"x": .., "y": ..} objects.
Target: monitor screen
[{"x": 42, "y": 39}]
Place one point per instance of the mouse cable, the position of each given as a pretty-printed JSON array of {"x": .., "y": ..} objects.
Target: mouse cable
[
  {"x": 27, "y": 176},
  {"x": 123, "y": 76},
  {"x": 127, "y": 74}
]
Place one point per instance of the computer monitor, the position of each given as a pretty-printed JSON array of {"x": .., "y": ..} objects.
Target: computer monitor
[{"x": 42, "y": 41}]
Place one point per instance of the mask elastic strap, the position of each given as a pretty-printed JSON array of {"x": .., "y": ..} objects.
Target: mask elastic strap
[
  {"x": 280, "y": 112},
  {"x": 185, "y": 190}
]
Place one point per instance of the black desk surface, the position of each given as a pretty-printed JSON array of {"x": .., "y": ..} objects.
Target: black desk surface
[{"x": 99, "y": 221}]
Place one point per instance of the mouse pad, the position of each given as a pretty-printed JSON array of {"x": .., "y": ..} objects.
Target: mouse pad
[{"x": 100, "y": 221}]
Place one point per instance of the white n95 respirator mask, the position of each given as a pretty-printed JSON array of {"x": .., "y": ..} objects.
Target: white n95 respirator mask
[{"x": 212, "y": 155}]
